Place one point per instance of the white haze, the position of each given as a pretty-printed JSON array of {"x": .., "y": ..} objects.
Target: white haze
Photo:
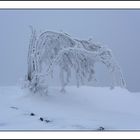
[{"x": 117, "y": 29}]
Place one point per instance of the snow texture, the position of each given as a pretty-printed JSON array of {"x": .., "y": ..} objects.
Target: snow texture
[{"x": 84, "y": 108}]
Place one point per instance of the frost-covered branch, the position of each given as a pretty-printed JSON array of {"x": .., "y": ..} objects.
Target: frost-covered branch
[{"x": 51, "y": 49}]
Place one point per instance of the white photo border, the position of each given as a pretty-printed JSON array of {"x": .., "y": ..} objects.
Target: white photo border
[{"x": 71, "y": 5}]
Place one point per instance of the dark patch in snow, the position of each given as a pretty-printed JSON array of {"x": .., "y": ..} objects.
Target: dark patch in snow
[
  {"x": 32, "y": 114},
  {"x": 101, "y": 129},
  {"x": 47, "y": 121},
  {"x": 41, "y": 119},
  {"x": 13, "y": 107}
]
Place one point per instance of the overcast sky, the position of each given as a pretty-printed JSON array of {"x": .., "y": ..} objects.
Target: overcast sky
[{"x": 117, "y": 29}]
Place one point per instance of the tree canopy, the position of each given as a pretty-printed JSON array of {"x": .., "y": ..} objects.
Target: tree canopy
[{"x": 49, "y": 49}]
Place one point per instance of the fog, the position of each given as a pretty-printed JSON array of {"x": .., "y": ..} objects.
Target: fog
[{"x": 117, "y": 29}]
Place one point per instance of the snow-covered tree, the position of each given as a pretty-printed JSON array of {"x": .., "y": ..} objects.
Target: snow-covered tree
[{"x": 50, "y": 49}]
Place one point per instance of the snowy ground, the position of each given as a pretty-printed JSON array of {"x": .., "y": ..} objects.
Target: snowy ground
[{"x": 84, "y": 108}]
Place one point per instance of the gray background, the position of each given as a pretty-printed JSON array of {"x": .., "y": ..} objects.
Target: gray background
[{"x": 117, "y": 29}]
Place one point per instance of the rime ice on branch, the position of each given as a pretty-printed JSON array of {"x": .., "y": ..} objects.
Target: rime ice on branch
[{"x": 51, "y": 49}]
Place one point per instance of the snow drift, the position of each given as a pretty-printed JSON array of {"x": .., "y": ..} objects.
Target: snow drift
[{"x": 84, "y": 108}]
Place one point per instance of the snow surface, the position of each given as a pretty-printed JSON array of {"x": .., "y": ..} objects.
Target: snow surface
[{"x": 84, "y": 108}]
